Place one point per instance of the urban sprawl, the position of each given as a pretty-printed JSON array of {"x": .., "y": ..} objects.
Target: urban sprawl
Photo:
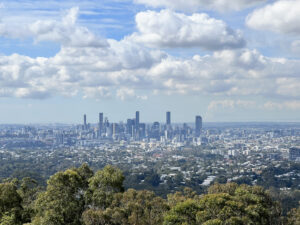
[{"x": 186, "y": 152}]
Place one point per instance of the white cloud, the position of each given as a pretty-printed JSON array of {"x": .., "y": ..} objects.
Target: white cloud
[
  {"x": 97, "y": 92},
  {"x": 127, "y": 94},
  {"x": 195, "y": 5},
  {"x": 281, "y": 16},
  {"x": 170, "y": 29},
  {"x": 286, "y": 105},
  {"x": 233, "y": 73},
  {"x": 104, "y": 72},
  {"x": 230, "y": 104},
  {"x": 65, "y": 32},
  {"x": 288, "y": 86},
  {"x": 125, "y": 69}
]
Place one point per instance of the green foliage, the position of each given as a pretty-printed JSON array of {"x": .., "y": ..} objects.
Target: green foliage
[
  {"x": 129, "y": 208},
  {"x": 183, "y": 213},
  {"x": 10, "y": 204},
  {"x": 102, "y": 187},
  {"x": 79, "y": 197},
  {"x": 28, "y": 191},
  {"x": 227, "y": 204},
  {"x": 294, "y": 217},
  {"x": 63, "y": 201}
]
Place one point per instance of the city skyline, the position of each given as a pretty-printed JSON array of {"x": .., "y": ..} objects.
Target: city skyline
[
  {"x": 221, "y": 59},
  {"x": 136, "y": 120}
]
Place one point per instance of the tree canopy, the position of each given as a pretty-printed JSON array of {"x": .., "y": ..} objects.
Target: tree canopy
[{"x": 78, "y": 196}]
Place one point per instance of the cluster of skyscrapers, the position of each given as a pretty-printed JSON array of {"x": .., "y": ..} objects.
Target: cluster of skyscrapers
[{"x": 135, "y": 130}]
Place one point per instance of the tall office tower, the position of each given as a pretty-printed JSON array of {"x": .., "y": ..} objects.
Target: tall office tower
[
  {"x": 84, "y": 122},
  {"x": 198, "y": 126},
  {"x": 130, "y": 127},
  {"x": 168, "y": 118},
  {"x": 137, "y": 119},
  {"x": 137, "y": 125},
  {"x": 100, "y": 122},
  {"x": 155, "y": 131},
  {"x": 115, "y": 130},
  {"x": 142, "y": 130}
]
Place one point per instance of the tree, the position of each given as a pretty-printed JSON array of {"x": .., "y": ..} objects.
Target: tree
[
  {"x": 129, "y": 208},
  {"x": 63, "y": 201},
  {"x": 103, "y": 185},
  {"x": 28, "y": 192},
  {"x": 10, "y": 204},
  {"x": 227, "y": 204},
  {"x": 184, "y": 213},
  {"x": 294, "y": 217}
]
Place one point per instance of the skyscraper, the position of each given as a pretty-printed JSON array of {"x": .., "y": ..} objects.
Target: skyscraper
[
  {"x": 84, "y": 122},
  {"x": 100, "y": 122},
  {"x": 137, "y": 125},
  {"x": 130, "y": 127},
  {"x": 137, "y": 119},
  {"x": 115, "y": 130},
  {"x": 168, "y": 118},
  {"x": 198, "y": 126},
  {"x": 100, "y": 125}
]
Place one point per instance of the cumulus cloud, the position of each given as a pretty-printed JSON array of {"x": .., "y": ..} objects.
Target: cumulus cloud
[
  {"x": 102, "y": 72},
  {"x": 195, "y": 5},
  {"x": 170, "y": 29},
  {"x": 231, "y": 72},
  {"x": 65, "y": 31},
  {"x": 281, "y": 16},
  {"x": 125, "y": 69}
]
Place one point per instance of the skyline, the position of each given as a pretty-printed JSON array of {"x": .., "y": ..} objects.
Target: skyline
[
  {"x": 167, "y": 120},
  {"x": 226, "y": 61}
]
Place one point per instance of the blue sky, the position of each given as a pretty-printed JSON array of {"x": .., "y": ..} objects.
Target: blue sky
[{"x": 225, "y": 60}]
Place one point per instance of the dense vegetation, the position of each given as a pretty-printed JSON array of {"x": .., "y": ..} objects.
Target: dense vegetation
[{"x": 80, "y": 196}]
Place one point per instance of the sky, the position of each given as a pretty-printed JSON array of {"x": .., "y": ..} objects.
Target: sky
[{"x": 228, "y": 61}]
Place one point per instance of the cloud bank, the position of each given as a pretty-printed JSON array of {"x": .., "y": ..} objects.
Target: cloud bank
[{"x": 94, "y": 67}]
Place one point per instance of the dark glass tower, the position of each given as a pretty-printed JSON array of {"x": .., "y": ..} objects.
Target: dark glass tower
[
  {"x": 168, "y": 118},
  {"x": 137, "y": 119},
  {"x": 100, "y": 122},
  {"x": 137, "y": 125},
  {"x": 198, "y": 126},
  {"x": 84, "y": 122}
]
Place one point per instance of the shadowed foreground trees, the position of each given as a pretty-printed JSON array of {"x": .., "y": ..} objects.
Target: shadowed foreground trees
[{"x": 79, "y": 197}]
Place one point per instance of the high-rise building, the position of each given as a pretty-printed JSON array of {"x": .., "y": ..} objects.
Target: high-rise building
[
  {"x": 198, "y": 126},
  {"x": 137, "y": 125},
  {"x": 155, "y": 130},
  {"x": 115, "y": 130},
  {"x": 84, "y": 122},
  {"x": 100, "y": 122},
  {"x": 168, "y": 118},
  {"x": 142, "y": 130},
  {"x": 130, "y": 127},
  {"x": 137, "y": 119}
]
